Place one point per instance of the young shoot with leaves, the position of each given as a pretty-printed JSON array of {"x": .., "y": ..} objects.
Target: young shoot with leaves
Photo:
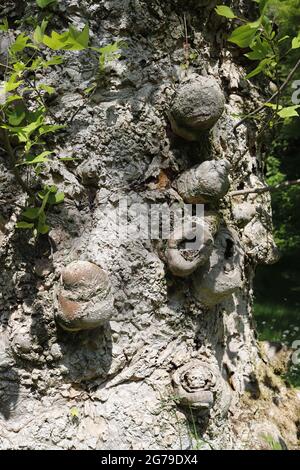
[
  {"x": 270, "y": 48},
  {"x": 25, "y": 118}
]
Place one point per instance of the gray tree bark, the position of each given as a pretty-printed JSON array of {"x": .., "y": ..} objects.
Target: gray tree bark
[{"x": 113, "y": 343}]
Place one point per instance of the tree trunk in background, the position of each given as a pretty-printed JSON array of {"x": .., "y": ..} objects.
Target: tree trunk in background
[{"x": 178, "y": 365}]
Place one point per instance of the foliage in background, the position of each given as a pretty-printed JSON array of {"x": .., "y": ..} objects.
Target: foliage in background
[
  {"x": 273, "y": 41},
  {"x": 266, "y": 43},
  {"x": 284, "y": 163},
  {"x": 277, "y": 305},
  {"x": 45, "y": 3},
  {"x": 277, "y": 288},
  {"x": 287, "y": 14}
]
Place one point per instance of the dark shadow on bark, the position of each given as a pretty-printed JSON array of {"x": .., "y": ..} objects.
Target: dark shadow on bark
[
  {"x": 197, "y": 425},
  {"x": 9, "y": 392},
  {"x": 86, "y": 355},
  {"x": 189, "y": 153},
  {"x": 20, "y": 281}
]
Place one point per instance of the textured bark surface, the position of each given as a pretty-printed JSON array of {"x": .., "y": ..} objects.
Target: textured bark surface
[{"x": 179, "y": 353}]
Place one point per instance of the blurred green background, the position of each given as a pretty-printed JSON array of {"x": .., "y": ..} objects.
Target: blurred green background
[{"x": 277, "y": 287}]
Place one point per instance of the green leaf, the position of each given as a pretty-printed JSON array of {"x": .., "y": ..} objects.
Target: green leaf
[
  {"x": 56, "y": 41},
  {"x": 4, "y": 26},
  {"x": 273, "y": 106},
  {"x": 262, "y": 4},
  {"x": 57, "y": 198},
  {"x": 24, "y": 132},
  {"x": 41, "y": 158},
  {"x": 244, "y": 35},
  {"x": 11, "y": 99},
  {"x": 108, "y": 53},
  {"x": 10, "y": 86},
  {"x": 44, "y": 198},
  {"x": 24, "y": 225},
  {"x": 50, "y": 195},
  {"x": 74, "y": 412},
  {"x": 223, "y": 10},
  {"x": 289, "y": 111},
  {"x": 54, "y": 61},
  {"x": 260, "y": 68},
  {"x": 68, "y": 159},
  {"x": 45, "y": 3},
  {"x": 45, "y": 129},
  {"x": 39, "y": 32},
  {"x": 20, "y": 44},
  {"x": 260, "y": 50},
  {"x": 32, "y": 213},
  {"x": 91, "y": 88},
  {"x": 283, "y": 39},
  {"x": 48, "y": 89},
  {"x": 43, "y": 228},
  {"x": 72, "y": 39},
  {"x": 19, "y": 67},
  {"x": 16, "y": 115},
  {"x": 296, "y": 42},
  {"x": 80, "y": 37}
]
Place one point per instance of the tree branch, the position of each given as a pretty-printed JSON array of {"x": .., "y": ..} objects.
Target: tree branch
[
  {"x": 265, "y": 189},
  {"x": 275, "y": 95},
  {"x": 40, "y": 96},
  {"x": 186, "y": 44},
  {"x": 81, "y": 106}
]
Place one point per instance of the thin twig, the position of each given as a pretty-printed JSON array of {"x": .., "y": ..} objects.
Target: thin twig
[
  {"x": 40, "y": 96},
  {"x": 81, "y": 106},
  {"x": 186, "y": 45},
  {"x": 265, "y": 189},
  {"x": 275, "y": 95}
]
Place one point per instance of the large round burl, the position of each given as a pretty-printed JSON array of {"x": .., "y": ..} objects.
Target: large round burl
[
  {"x": 205, "y": 183},
  {"x": 84, "y": 300},
  {"x": 197, "y": 106}
]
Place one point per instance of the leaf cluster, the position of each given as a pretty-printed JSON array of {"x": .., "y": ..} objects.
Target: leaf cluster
[
  {"x": 26, "y": 120},
  {"x": 265, "y": 43}
]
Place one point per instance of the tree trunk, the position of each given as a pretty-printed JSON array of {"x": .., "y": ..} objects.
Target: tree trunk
[{"x": 109, "y": 342}]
